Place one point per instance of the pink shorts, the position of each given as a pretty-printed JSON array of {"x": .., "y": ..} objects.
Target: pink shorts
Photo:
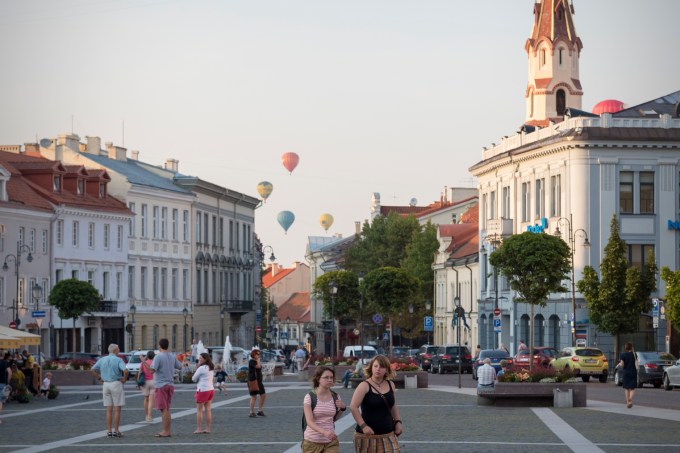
[
  {"x": 163, "y": 396},
  {"x": 204, "y": 397}
]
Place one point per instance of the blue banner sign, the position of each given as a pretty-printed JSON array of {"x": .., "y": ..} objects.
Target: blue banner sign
[
  {"x": 673, "y": 225},
  {"x": 538, "y": 228}
]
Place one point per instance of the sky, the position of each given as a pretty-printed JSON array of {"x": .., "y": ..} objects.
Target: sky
[{"x": 376, "y": 96}]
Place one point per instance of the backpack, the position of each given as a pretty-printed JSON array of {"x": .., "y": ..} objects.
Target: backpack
[{"x": 312, "y": 395}]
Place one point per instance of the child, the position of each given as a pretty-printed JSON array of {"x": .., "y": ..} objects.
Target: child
[
  {"x": 221, "y": 376},
  {"x": 45, "y": 386}
]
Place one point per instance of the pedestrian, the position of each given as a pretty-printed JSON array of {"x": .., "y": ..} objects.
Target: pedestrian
[
  {"x": 320, "y": 415},
  {"x": 148, "y": 389},
  {"x": 628, "y": 364},
  {"x": 358, "y": 370},
  {"x": 221, "y": 377},
  {"x": 502, "y": 347},
  {"x": 486, "y": 376},
  {"x": 300, "y": 358},
  {"x": 5, "y": 379},
  {"x": 522, "y": 346},
  {"x": 504, "y": 368},
  {"x": 255, "y": 375},
  {"x": 45, "y": 385},
  {"x": 28, "y": 371},
  {"x": 477, "y": 350},
  {"x": 163, "y": 367},
  {"x": 204, "y": 375},
  {"x": 111, "y": 370},
  {"x": 374, "y": 408}
]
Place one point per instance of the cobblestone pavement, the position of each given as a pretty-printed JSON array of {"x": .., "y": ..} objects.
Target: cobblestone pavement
[{"x": 438, "y": 419}]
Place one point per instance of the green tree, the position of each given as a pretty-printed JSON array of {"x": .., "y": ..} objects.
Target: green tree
[
  {"x": 389, "y": 290},
  {"x": 73, "y": 298},
  {"x": 535, "y": 265},
  {"x": 672, "y": 279},
  {"x": 346, "y": 300},
  {"x": 616, "y": 300}
]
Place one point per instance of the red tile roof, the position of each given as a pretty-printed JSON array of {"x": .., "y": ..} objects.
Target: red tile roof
[
  {"x": 268, "y": 279},
  {"x": 296, "y": 308},
  {"x": 464, "y": 238},
  {"x": 471, "y": 215}
]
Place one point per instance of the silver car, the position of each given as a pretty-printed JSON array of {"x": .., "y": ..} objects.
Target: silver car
[{"x": 671, "y": 376}]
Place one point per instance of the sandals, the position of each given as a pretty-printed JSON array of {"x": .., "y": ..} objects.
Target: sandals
[
  {"x": 252, "y": 415},
  {"x": 261, "y": 414}
]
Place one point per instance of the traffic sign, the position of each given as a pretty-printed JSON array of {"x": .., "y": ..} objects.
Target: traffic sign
[
  {"x": 38, "y": 313},
  {"x": 258, "y": 329},
  {"x": 496, "y": 325},
  {"x": 496, "y": 311},
  {"x": 428, "y": 323},
  {"x": 284, "y": 335},
  {"x": 377, "y": 318}
]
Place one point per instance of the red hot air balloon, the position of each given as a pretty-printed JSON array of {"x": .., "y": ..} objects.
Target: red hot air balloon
[{"x": 290, "y": 161}]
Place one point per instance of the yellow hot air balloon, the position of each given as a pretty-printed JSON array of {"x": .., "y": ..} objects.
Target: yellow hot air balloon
[
  {"x": 326, "y": 220},
  {"x": 265, "y": 189}
]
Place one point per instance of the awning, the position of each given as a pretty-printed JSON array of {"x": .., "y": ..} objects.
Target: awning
[
  {"x": 25, "y": 338},
  {"x": 8, "y": 342}
]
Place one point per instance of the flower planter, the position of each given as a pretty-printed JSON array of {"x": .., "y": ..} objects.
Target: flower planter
[
  {"x": 73, "y": 377},
  {"x": 399, "y": 380},
  {"x": 531, "y": 394}
]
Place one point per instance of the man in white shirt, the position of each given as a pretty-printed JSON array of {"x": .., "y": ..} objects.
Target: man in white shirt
[
  {"x": 486, "y": 376},
  {"x": 300, "y": 358}
]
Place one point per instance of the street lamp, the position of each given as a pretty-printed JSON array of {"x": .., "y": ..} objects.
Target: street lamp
[
  {"x": 37, "y": 295},
  {"x": 133, "y": 310},
  {"x": 333, "y": 289},
  {"x": 361, "y": 314},
  {"x": 572, "y": 246},
  {"x": 185, "y": 312},
  {"x": 494, "y": 239},
  {"x": 428, "y": 307},
  {"x": 17, "y": 263},
  {"x": 272, "y": 258},
  {"x": 459, "y": 313}
]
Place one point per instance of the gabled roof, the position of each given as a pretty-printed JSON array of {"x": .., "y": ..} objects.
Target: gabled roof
[
  {"x": 471, "y": 215},
  {"x": 297, "y": 308},
  {"x": 268, "y": 279},
  {"x": 442, "y": 205}
]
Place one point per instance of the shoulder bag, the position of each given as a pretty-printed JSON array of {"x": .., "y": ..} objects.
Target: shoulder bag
[
  {"x": 141, "y": 378},
  {"x": 253, "y": 386}
]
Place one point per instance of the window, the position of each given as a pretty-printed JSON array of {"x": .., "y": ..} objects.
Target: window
[
  {"x": 105, "y": 285},
  {"x": 542, "y": 61},
  {"x": 145, "y": 333},
  {"x": 198, "y": 286},
  {"x": 60, "y": 232},
  {"x": 90, "y": 277},
  {"x": 175, "y": 221},
  {"x": 646, "y": 192},
  {"x": 185, "y": 284},
  {"x": 540, "y": 199},
  {"x": 205, "y": 229},
  {"x": 214, "y": 286},
  {"x": 560, "y": 56},
  {"x": 131, "y": 282},
  {"x": 31, "y": 240},
  {"x": 185, "y": 226},
  {"x": 198, "y": 227},
  {"x": 90, "y": 235},
  {"x": 231, "y": 234},
  {"x": 485, "y": 203},
  {"x": 2, "y": 291},
  {"x": 560, "y": 104},
  {"x": 555, "y": 195},
  {"x": 56, "y": 183},
  {"x": 102, "y": 190},
  {"x": 131, "y": 231},
  {"x": 638, "y": 254},
  {"x": 626, "y": 192},
  {"x": 75, "y": 274},
  {"x": 107, "y": 236},
  {"x": 214, "y": 231},
  {"x": 76, "y": 233},
  {"x": 80, "y": 187},
  {"x": 119, "y": 238},
  {"x": 174, "y": 337},
  {"x": 58, "y": 275},
  {"x": 145, "y": 213},
  {"x": 45, "y": 285},
  {"x": 205, "y": 282},
  {"x": 492, "y": 205},
  {"x": 156, "y": 225},
  {"x": 526, "y": 202},
  {"x": 505, "y": 210},
  {"x": 44, "y": 242},
  {"x": 164, "y": 283},
  {"x": 119, "y": 285},
  {"x": 154, "y": 283},
  {"x": 164, "y": 223},
  {"x": 221, "y": 232},
  {"x": 155, "y": 334},
  {"x": 173, "y": 286},
  {"x": 143, "y": 281},
  {"x": 22, "y": 235}
]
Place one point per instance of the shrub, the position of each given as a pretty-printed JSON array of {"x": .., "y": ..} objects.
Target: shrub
[
  {"x": 242, "y": 375},
  {"x": 538, "y": 374}
]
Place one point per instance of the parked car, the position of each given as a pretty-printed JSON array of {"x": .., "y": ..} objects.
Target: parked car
[
  {"x": 671, "y": 376},
  {"x": 424, "y": 357},
  {"x": 399, "y": 352},
  {"x": 135, "y": 362},
  {"x": 367, "y": 353},
  {"x": 447, "y": 359},
  {"x": 68, "y": 356},
  {"x": 585, "y": 362},
  {"x": 650, "y": 368},
  {"x": 495, "y": 355},
  {"x": 542, "y": 356}
]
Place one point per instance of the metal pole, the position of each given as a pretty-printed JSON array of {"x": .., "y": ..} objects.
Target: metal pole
[{"x": 572, "y": 244}]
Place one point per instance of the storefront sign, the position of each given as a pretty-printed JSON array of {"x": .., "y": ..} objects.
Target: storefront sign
[
  {"x": 538, "y": 228},
  {"x": 673, "y": 225}
]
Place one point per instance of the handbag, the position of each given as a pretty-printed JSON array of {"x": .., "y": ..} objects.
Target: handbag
[
  {"x": 141, "y": 378},
  {"x": 253, "y": 386}
]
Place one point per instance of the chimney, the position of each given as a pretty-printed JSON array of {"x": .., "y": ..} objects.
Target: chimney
[
  {"x": 275, "y": 269},
  {"x": 94, "y": 145},
  {"x": 134, "y": 155},
  {"x": 69, "y": 141},
  {"x": 59, "y": 153},
  {"x": 357, "y": 228},
  {"x": 172, "y": 164},
  {"x": 116, "y": 152},
  {"x": 32, "y": 149}
]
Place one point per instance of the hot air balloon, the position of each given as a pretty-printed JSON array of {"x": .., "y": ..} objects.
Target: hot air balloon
[
  {"x": 265, "y": 189},
  {"x": 286, "y": 219},
  {"x": 290, "y": 161},
  {"x": 326, "y": 220}
]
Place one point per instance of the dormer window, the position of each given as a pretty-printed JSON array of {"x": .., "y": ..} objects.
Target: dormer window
[
  {"x": 102, "y": 190},
  {"x": 56, "y": 183},
  {"x": 80, "y": 187},
  {"x": 542, "y": 62}
]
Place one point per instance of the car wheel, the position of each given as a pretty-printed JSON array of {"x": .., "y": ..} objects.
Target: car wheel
[
  {"x": 603, "y": 378},
  {"x": 585, "y": 378},
  {"x": 617, "y": 379},
  {"x": 667, "y": 383}
]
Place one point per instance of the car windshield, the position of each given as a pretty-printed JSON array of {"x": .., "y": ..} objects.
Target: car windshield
[
  {"x": 494, "y": 354},
  {"x": 654, "y": 356},
  {"x": 588, "y": 352},
  {"x": 136, "y": 358},
  {"x": 453, "y": 350}
]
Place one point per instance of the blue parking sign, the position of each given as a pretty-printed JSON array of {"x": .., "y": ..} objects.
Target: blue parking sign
[{"x": 428, "y": 323}]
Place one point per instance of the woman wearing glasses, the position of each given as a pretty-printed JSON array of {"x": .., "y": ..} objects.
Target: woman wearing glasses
[{"x": 322, "y": 406}]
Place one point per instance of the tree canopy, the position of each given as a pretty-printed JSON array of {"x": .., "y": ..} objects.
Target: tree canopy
[
  {"x": 347, "y": 299},
  {"x": 672, "y": 279},
  {"x": 73, "y": 298},
  {"x": 389, "y": 290}
]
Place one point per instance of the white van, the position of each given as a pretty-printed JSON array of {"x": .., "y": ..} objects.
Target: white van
[{"x": 355, "y": 352}]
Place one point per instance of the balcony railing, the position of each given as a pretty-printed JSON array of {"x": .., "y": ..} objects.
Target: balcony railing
[
  {"x": 108, "y": 306},
  {"x": 238, "y": 306}
]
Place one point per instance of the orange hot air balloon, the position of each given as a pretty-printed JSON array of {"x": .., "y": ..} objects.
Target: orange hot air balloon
[
  {"x": 326, "y": 220},
  {"x": 265, "y": 189},
  {"x": 290, "y": 161}
]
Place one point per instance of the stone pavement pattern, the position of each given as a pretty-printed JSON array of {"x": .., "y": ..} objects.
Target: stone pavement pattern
[{"x": 439, "y": 419}]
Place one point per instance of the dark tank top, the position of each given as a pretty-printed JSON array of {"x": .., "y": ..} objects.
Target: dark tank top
[{"x": 375, "y": 412}]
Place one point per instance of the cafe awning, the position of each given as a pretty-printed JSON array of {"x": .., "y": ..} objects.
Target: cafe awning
[
  {"x": 25, "y": 338},
  {"x": 8, "y": 342}
]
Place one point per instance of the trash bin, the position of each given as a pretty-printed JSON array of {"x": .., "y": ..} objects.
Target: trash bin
[
  {"x": 411, "y": 382},
  {"x": 563, "y": 398}
]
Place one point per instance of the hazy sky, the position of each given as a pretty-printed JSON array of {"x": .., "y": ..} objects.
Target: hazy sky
[{"x": 389, "y": 96}]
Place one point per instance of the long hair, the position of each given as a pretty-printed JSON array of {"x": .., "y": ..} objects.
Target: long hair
[
  {"x": 384, "y": 363},
  {"x": 628, "y": 346},
  {"x": 316, "y": 379},
  {"x": 208, "y": 361}
]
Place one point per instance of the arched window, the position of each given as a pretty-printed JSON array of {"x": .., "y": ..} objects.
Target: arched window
[
  {"x": 524, "y": 328},
  {"x": 554, "y": 332},
  {"x": 560, "y": 102},
  {"x": 155, "y": 334},
  {"x": 174, "y": 337}
]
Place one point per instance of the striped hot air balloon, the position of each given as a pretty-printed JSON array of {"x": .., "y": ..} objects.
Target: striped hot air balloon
[{"x": 265, "y": 189}]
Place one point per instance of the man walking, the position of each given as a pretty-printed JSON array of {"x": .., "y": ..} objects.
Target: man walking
[
  {"x": 111, "y": 369},
  {"x": 300, "y": 358},
  {"x": 486, "y": 376},
  {"x": 163, "y": 367}
]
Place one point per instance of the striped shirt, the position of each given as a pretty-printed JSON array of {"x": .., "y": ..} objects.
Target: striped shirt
[{"x": 324, "y": 411}]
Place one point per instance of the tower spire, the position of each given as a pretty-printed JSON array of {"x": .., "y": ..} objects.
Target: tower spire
[{"x": 553, "y": 51}]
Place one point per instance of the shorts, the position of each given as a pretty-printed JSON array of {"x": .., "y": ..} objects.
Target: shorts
[
  {"x": 113, "y": 394},
  {"x": 204, "y": 397},
  {"x": 148, "y": 388},
  {"x": 260, "y": 392},
  {"x": 312, "y": 447},
  {"x": 163, "y": 396}
]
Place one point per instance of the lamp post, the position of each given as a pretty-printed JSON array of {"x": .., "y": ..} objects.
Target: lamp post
[
  {"x": 459, "y": 314},
  {"x": 410, "y": 312},
  {"x": 37, "y": 294},
  {"x": 361, "y": 313},
  {"x": 428, "y": 307},
  {"x": 185, "y": 312},
  {"x": 272, "y": 258},
  {"x": 333, "y": 289},
  {"x": 17, "y": 263},
  {"x": 133, "y": 310},
  {"x": 572, "y": 246}
]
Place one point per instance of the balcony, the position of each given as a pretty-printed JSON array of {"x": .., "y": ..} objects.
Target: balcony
[
  {"x": 238, "y": 306},
  {"x": 107, "y": 306}
]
